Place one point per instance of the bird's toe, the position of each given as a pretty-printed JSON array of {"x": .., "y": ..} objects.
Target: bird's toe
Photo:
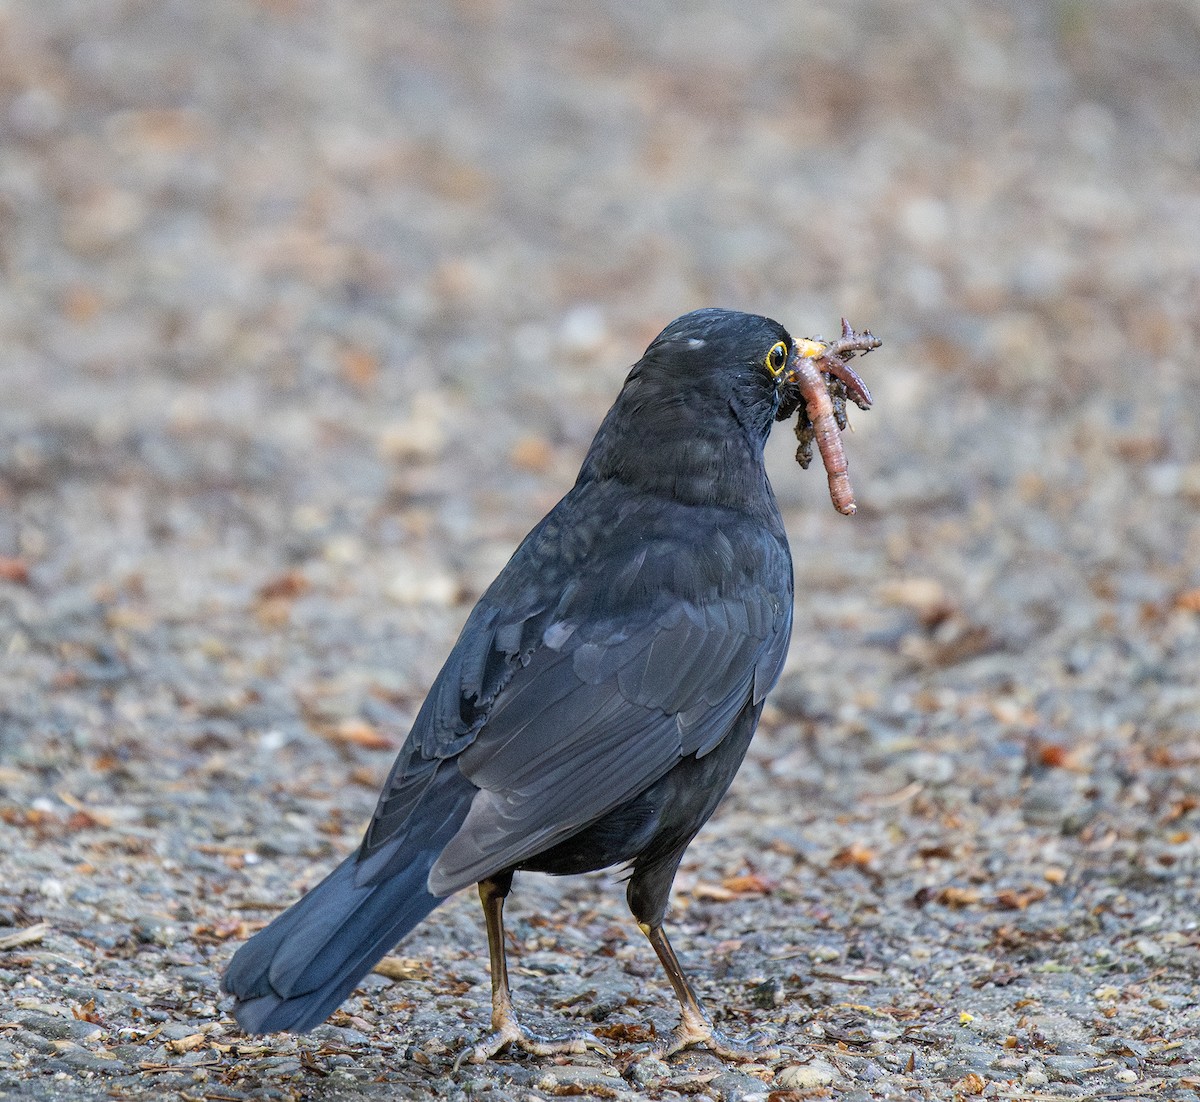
[
  {"x": 513, "y": 1033},
  {"x": 695, "y": 1031}
]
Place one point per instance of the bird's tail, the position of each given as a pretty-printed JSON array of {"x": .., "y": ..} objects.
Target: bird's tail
[{"x": 294, "y": 973}]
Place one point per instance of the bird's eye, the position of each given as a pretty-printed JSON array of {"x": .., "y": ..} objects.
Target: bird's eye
[{"x": 777, "y": 358}]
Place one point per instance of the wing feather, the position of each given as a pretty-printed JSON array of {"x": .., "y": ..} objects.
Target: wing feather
[{"x": 580, "y": 679}]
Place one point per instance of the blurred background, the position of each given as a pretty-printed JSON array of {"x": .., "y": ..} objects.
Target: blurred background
[
  {"x": 308, "y": 311},
  {"x": 344, "y": 289}
]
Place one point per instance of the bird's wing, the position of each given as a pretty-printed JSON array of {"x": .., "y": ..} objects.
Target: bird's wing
[
  {"x": 583, "y": 729},
  {"x": 491, "y": 648},
  {"x": 593, "y": 665}
]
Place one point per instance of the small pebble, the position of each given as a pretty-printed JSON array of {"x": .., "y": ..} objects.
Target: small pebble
[{"x": 818, "y": 1073}]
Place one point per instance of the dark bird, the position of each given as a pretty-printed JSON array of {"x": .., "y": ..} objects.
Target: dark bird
[{"x": 598, "y": 702}]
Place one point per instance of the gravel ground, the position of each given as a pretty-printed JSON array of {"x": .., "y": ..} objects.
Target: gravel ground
[{"x": 309, "y": 311}]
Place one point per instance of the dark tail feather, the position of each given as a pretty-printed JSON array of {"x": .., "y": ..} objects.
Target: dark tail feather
[{"x": 294, "y": 973}]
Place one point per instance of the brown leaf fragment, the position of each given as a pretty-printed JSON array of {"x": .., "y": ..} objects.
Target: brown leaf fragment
[
  {"x": 999, "y": 976},
  {"x": 941, "y": 851},
  {"x": 287, "y": 586},
  {"x": 971, "y": 1083},
  {"x": 951, "y": 896},
  {"x": 189, "y": 1043},
  {"x": 1188, "y": 600},
  {"x": 84, "y": 817},
  {"x": 308, "y": 1063},
  {"x": 629, "y": 1033},
  {"x": 87, "y": 1013},
  {"x": 714, "y": 893},
  {"x": 224, "y": 930},
  {"x": 357, "y": 732},
  {"x": 1012, "y": 900},
  {"x": 854, "y": 855},
  {"x": 552, "y": 1086},
  {"x": 749, "y": 884},
  {"x": 402, "y": 968},
  {"x": 966, "y": 642},
  {"x": 346, "y": 1020},
  {"x": 734, "y": 887},
  {"x": 273, "y": 601},
  {"x": 14, "y": 570},
  {"x": 1052, "y": 755},
  {"x": 30, "y": 935},
  {"x": 82, "y": 820}
]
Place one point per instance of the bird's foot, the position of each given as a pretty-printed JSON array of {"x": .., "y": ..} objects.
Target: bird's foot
[
  {"x": 511, "y": 1032},
  {"x": 696, "y": 1029}
]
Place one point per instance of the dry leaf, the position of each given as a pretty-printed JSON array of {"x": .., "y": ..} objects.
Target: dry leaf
[
  {"x": 1013, "y": 900},
  {"x": 714, "y": 893},
  {"x": 14, "y": 570},
  {"x": 84, "y": 816},
  {"x": 30, "y": 935},
  {"x": 235, "y": 928},
  {"x": 87, "y": 1013},
  {"x": 734, "y": 887},
  {"x": 958, "y": 897},
  {"x": 749, "y": 884},
  {"x": 358, "y": 732},
  {"x": 1188, "y": 600},
  {"x": 1052, "y": 755},
  {"x": 344, "y": 1020},
  {"x": 855, "y": 854},
  {"x": 402, "y": 968},
  {"x": 286, "y": 586},
  {"x": 631, "y": 1033}
]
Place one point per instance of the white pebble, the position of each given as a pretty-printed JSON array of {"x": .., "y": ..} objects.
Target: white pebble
[{"x": 818, "y": 1073}]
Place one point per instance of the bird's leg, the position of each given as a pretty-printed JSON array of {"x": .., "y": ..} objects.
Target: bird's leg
[
  {"x": 695, "y": 1027},
  {"x": 506, "y": 1030}
]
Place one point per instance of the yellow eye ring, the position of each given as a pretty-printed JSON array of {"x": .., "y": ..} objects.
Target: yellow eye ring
[{"x": 777, "y": 358}]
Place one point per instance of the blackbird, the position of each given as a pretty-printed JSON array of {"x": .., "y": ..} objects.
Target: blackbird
[{"x": 598, "y": 702}]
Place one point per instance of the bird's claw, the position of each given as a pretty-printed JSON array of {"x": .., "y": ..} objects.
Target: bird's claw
[
  {"x": 696, "y": 1030},
  {"x": 512, "y": 1032}
]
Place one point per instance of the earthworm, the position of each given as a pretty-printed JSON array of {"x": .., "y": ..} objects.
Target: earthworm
[{"x": 820, "y": 369}]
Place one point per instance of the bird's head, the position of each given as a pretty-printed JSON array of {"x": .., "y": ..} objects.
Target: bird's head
[
  {"x": 721, "y": 362},
  {"x": 696, "y": 409}
]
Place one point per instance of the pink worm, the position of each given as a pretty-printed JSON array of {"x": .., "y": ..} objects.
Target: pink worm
[{"x": 825, "y": 431}]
